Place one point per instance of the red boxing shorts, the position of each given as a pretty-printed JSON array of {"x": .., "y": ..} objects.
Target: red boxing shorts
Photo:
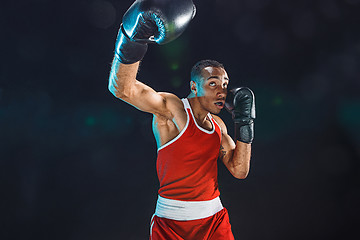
[{"x": 214, "y": 227}]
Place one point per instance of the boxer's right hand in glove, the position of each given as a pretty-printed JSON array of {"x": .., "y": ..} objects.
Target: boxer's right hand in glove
[
  {"x": 241, "y": 103},
  {"x": 151, "y": 21}
]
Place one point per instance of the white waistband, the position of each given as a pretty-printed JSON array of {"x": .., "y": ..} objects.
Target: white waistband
[{"x": 187, "y": 210}]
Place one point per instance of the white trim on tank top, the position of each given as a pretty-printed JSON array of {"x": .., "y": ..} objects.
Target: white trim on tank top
[
  {"x": 200, "y": 128},
  {"x": 187, "y": 105},
  {"x": 182, "y": 131}
]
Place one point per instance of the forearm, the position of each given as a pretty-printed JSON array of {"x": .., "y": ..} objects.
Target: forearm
[
  {"x": 241, "y": 103},
  {"x": 122, "y": 77},
  {"x": 240, "y": 161}
]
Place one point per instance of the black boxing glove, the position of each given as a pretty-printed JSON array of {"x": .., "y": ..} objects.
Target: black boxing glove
[
  {"x": 240, "y": 102},
  {"x": 151, "y": 21}
]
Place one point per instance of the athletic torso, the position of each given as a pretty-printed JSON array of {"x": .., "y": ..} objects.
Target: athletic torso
[{"x": 187, "y": 163}]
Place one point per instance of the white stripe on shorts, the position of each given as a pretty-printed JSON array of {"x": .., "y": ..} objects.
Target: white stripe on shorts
[
  {"x": 151, "y": 226},
  {"x": 187, "y": 210}
]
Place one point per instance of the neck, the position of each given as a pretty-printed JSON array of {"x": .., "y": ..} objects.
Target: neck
[{"x": 199, "y": 113}]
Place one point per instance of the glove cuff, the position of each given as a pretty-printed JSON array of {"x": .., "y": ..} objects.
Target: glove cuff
[
  {"x": 128, "y": 51},
  {"x": 244, "y": 133}
]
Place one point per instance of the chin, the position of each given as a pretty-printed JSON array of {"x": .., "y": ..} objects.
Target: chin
[{"x": 217, "y": 111}]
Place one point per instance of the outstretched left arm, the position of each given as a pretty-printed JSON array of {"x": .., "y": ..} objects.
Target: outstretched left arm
[{"x": 236, "y": 157}]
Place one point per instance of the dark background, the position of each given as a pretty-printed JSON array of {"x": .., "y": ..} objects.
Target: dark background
[{"x": 77, "y": 163}]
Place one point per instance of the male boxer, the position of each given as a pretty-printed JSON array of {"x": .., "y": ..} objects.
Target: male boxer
[{"x": 190, "y": 137}]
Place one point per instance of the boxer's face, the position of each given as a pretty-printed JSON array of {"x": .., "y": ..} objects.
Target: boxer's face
[{"x": 212, "y": 89}]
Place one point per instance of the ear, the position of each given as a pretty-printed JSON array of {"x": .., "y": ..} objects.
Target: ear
[{"x": 193, "y": 87}]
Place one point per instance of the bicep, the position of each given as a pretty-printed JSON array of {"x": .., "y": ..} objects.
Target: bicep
[
  {"x": 146, "y": 99},
  {"x": 227, "y": 148},
  {"x": 227, "y": 144}
]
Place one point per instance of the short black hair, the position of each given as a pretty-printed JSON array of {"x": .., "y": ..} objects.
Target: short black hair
[{"x": 200, "y": 65}]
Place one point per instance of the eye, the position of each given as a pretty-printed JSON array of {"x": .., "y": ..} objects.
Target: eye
[
  {"x": 225, "y": 85},
  {"x": 212, "y": 84}
]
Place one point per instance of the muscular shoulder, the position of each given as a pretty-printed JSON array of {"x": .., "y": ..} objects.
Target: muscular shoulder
[
  {"x": 173, "y": 103},
  {"x": 220, "y": 122},
  {"x": 170, "y": 97}
]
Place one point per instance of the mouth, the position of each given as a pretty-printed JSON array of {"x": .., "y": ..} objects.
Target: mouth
[{"x": 219, "y": 104}]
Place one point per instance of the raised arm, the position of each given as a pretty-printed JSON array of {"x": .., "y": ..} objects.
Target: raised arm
[
  {"x": 146, "y": 21},
  {"x": 123, "y": 85}
]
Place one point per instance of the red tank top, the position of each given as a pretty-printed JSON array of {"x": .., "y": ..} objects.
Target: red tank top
[{"x": 187, "y": 165}]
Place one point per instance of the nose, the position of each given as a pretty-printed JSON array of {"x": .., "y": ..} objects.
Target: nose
[{"x": 222, "y": 92}]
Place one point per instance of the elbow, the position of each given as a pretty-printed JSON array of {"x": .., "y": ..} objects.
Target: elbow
[{"x": 240, "y": 174}]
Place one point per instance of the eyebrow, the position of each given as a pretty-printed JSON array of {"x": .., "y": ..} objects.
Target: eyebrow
[{"x": 217, "y": 77}]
